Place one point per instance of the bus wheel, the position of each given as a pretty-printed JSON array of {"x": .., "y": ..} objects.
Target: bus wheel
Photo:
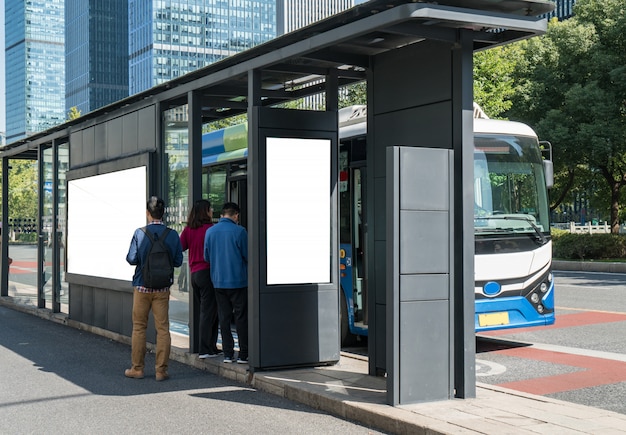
[{"x": 347, "y": 338}]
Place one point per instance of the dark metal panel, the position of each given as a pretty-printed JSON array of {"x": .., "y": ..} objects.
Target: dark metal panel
[
  {"x": 76, "y": 149},
  {"x": 292, "y": 324},
  {"x": 89, "y": 151},
  {"x": 126, "y": 309},
  {"x": 380, "y": 264},
  {"x": 130, "y": 133},
  {"x": 195, "y": 193},
  {"x": 309, "y": 317},
  {"x": 414, "y": 76},
  {"x": 4, "y": 240},
  {"x": 100, "y": 308},
  {"x": 147, "y": 131},
  {"x": 463, "y": 343},
  {"x": 75, "y": 309},
  {"x": 114, "y": 313},
  {"x": 100, "y": 140},
  {"x": 88, "y": 301},
  {"x": 298, "y": 120},
  {"x": 114, "y": 138},
  {"x": 424, "y": 126}
]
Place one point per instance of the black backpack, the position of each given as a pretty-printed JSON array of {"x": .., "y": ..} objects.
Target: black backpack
[{"x": 158, "y": 269}]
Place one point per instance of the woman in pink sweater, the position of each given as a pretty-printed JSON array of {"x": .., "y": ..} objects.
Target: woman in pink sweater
[{"x": 205, "y": 307}]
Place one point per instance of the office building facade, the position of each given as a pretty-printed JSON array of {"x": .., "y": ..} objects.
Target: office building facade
[
  {"x": 34, "y": 66},
  {"x": 563, "y": 9},
  {"x": 168, "y": 39},
  {"x": 294, "y": 14},
  {"x": 96, "y": 53}
]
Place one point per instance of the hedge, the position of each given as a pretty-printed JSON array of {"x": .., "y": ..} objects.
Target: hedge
[{"x": 567, "y": 246}]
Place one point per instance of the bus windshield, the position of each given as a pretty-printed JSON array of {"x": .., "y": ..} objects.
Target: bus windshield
[{"x": 510, "y": 194}]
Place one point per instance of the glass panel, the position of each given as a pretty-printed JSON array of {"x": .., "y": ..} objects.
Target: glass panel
[
  {"x": 63, "y": 165},
  {"x": 176, "y": 140},
  {"x": 359, "y": 245},
  {"x": 46, "y": 225},
  {"x": 22, "y": 223},
  {"x": 217, "y": 188}
]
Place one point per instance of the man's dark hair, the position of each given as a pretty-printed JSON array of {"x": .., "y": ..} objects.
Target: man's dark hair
[
  {"x": 156, "y": 207},
  {"x": 199, "y": 214},
  {"x": 230, "y": 209}
]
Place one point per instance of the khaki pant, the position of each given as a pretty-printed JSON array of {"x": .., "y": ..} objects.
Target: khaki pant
[{"x": 142, "y": 304}]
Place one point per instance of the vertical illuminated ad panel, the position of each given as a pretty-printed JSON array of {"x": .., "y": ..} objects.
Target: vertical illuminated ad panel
[
  {"x": 103, "y": 213},
  {"x": 298, "y": 210}
]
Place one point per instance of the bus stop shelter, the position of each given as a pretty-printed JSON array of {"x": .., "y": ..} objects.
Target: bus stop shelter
[{"x": 417, "y": 60}]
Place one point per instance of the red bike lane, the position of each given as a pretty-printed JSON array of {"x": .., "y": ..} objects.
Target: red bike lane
[{"x": 590, "y": 371}]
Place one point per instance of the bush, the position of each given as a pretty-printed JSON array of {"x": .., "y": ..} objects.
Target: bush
[{"x": 588, "y": 246}]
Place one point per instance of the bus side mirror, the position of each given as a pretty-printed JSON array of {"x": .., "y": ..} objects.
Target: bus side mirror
[{"x": 548, "y": 170}]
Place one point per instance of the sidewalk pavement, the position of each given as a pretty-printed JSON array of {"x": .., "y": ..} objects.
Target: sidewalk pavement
[{"x": 347, "y": 391}]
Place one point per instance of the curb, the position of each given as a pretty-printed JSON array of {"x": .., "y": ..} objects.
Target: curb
[{"x": 589, "y": 266}]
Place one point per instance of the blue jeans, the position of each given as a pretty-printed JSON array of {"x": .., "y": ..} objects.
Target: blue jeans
[{"x": 233, "y": 302}]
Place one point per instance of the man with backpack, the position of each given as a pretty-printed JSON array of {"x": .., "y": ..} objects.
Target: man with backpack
[{"x": 155, "y": 250}]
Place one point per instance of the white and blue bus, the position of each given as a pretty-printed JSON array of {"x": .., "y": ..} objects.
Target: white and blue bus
[{"x": 513, "y": 276}]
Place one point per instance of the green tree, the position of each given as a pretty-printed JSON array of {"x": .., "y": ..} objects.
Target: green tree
[
  {"x": 23, "y": 189},
  {"x": 355, "y": 93},
  {"x": 73, "y": 113},
  {"x": 572, "y": 88},
  {"x": 494, "y": 80}
]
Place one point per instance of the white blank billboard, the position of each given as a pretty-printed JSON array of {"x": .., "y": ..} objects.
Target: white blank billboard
[
  {"x": 103, "y": 212},
  {"x": 298, "y": 210}
]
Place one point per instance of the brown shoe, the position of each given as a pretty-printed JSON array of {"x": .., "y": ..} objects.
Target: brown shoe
[
  {"x": 132, "y": 373},
  {"x": 161, "y": 376}
]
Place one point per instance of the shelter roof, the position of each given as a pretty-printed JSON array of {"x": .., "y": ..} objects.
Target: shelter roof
[{"x": 296, "y": 64}]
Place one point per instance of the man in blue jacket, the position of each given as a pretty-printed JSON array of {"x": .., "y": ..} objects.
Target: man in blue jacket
[
  {"x": 226, "y": 249},
  {"x": 145, "y": 298}
]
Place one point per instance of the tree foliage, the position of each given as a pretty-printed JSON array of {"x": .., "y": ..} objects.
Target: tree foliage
[
  {"x": 494, "y": 82},
  {"x": 572, "y": 89},
  {"x": 73, "y": 113},
  {"x": 22, "y": 189}
]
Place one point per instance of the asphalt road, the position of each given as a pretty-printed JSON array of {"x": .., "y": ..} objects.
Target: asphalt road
[
  {"x": 581, "y": 359},
  {"x": 57, "y": 380}
]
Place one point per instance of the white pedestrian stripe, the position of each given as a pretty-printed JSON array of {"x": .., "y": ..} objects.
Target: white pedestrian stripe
[{"x": 488, "y": 368}]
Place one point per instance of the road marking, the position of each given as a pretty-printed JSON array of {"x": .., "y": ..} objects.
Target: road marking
[
  {"x": 594, "y": 311},
  {"x": 594, "y": 371},
  {"x": 488, "y": 368}
]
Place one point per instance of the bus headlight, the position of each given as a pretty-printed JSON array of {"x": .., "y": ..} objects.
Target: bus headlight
[
  {"x": 534, "y": 298},
  {"x": 540, "y": 309},
  {"x": 543, "y": 287}
]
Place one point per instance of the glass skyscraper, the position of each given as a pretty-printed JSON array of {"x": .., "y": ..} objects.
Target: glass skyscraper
[
  {"x": 294, "y": 14},
  {"x": 563, "y": 10},
  {"x": 96, "y": 53},
  {"x": 169, "y": 38},
  {"x": 34, "y": 66}
]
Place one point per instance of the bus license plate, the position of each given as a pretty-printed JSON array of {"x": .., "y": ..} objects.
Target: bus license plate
[{"x": 493, "y": 319}]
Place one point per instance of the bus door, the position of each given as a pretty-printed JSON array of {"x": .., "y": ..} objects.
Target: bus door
[
  {"x": 352, "y": 194},
  {"x": 227, "y": 182},
  {"x": 238, "y": 190}
]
